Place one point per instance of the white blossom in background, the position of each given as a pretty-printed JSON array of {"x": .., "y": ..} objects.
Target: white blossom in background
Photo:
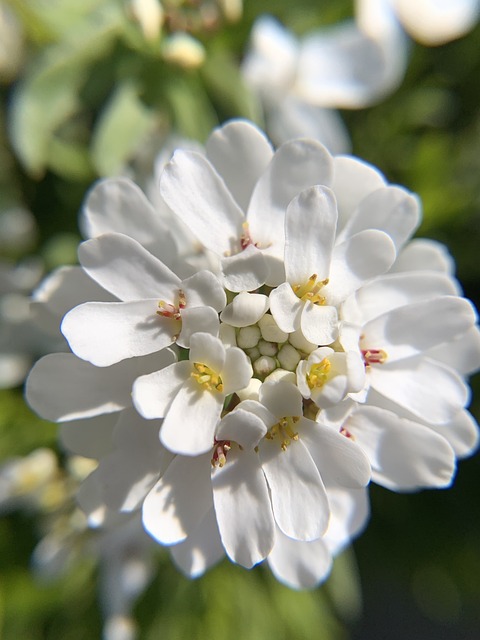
[
  {"x": 300, "y": 82},
  {"x": 430, "y": 22},
  {"x": 123, "y": 553},
  {"x": 22, "y": 340},
  {"x": 244, "y": 408}
]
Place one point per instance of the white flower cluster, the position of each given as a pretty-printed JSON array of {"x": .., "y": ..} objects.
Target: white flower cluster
[{"x": 248, "y": 357}]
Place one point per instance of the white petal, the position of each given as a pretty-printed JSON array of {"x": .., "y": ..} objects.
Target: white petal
[
  {"x": 199, "y": 197},
  {"x": 412, "y": 329},
  {"x": 179, "y": 500},
  {"x": 299, "y": 565},
  {"x": 391, "y": 209},
  {"x": 422, "y": 254},
  {"x": 343, "y": 67},
  {"x": 245, "y": 309},
  {"x": 428, "y": 389},
  {"x": 398, "y": 289},
  {"x": 243, "y": 427},
  {"x": 462, "y": 354},
  {"x": 191, "y": 420},
  {"x": 201, "y": 550},
  {"x": 365, "y": 255},
  {"x": 106, "y": 332},
  {"x": 404, "y": 455},
  {"x": 319, "y": 323},
  {"x": 296, "y": 165},
  {"x": 271, "y": 60},
  {"x": 245, "y": 271},
  {"x": 243, "y": 510},
  {"x": 299, "y": 500},
  {"x": 127, "y": 474},
  {"x": 90, "y": 500},
  {"x": 310, "y": 225},
  {"x": 118, "y": 205},
  {"x": 462, "y": 433},
  {"x": 237, "y": 370},
  {"x": 89, "y": 438},
  {"x": 292, "y": 118},
  {"x": 204, "y": 289},
  {"x": 240, "y": 153},
  {"x": 349, "y": 513},
  {"x": 338, "y": 459},
  {"x": 62, "y": 387},
  {"x": 208, "y": 350},
  {"x": 433, "y": 23},
  {"x": 198, "y": 319},
  {"x": 62, "y": 290},
  {"x": 153, "y": 394},
  {"x": 353, "y": 180},
  {"x": 122, "y": 266},
  {"x": 281, "y": 398},
  {"x": 286, "y": 308}
]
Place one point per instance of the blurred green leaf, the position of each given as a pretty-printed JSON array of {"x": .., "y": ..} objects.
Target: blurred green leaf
[
  {"x": 120, "y": 129},
  {"x": 224, "y": 80},
  {"x": 48, "y": 95},
  {"x": 40, "y": 104},
  {"x": 191, "y": 110},
  {"x": 70, "y": 160}
]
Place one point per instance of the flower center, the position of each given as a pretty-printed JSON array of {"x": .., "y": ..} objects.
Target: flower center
[
  {"x": 374, "y": 356},
  {"x": 220, "y": 450},
  {"x": 167, "y": 310},
  {"x": 309, "y": 290},
  {"x": 319, "y": 374},
  {"x": 285, "y": 430},
  {"x": 207, "y": 378}
]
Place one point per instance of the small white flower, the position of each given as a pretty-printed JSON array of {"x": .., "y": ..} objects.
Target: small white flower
[
  {"x": 190, "y": 394},
  {"x": 157, "y": 308},
  {"x": 328, "y": 376}
]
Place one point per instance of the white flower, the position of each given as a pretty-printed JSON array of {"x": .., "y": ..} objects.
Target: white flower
[
  {"x": 301, "y": 81},
  {"x": 431, "y": 22},
  {"x": 156, "y": 308},
  {"x": 327, "y": 377},
  {"x": 341, "y": 355},
  {"x": 239, "y": 193},
  {"x": 319, "y": 275},
  {"x": 190, "y": 394}
]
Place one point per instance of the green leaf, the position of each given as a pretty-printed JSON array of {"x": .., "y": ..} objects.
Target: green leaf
[
  {"x": 40, "y": 104},
  {"x": 192, "y": 113},
  {"x": 48, "y": 96},
  {"x": 70, "y": 160},
  {"x": 223, "y": 79},
  {"x": 124, "y": 123}
]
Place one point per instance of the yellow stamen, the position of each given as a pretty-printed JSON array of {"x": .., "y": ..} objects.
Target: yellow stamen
[
  {"x": 284, "y": 428},
  {"x": 319, "y": 374},
  {"x": 207, "y": 378},
  {"x": 309, "y": 290}
]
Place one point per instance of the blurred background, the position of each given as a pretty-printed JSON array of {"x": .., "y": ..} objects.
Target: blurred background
[{"x": 94, "y": 89}]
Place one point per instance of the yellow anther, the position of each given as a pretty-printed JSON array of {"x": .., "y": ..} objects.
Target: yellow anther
[
  {"x": 284, "y": 429},
  {"x": 309, "y": 290},
  {"x": 206, "y": 377},
  {"x": 319, "y": 374}
]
